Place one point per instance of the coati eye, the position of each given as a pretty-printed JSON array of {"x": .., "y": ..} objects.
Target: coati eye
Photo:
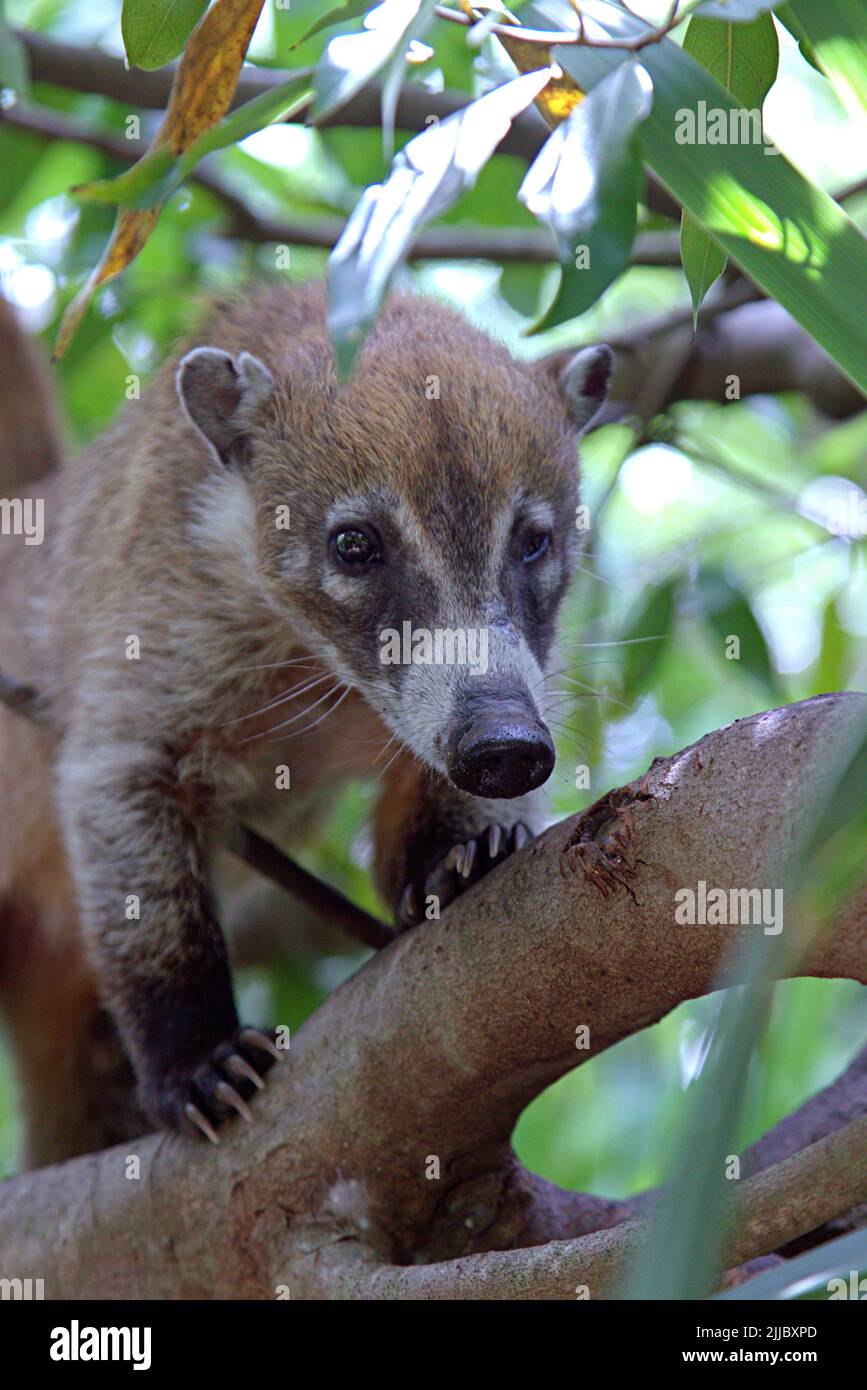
[
  {"x": 535, "y": 546},
  {"x": 355, "y": 547}
]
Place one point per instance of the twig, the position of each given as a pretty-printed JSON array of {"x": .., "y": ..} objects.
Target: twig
[
  {"x": 89, "y": 70},
  {"x": 325, "y": 901},
  {"x": 256, "y": 851},
  {"x": 545, "y": 38},
  {"x": 730, "y": 297}
]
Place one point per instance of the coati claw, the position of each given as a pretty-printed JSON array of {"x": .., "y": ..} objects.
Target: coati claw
[
  {"x": 229, "y": 1096},
  {"x": 462, "y": 866},
  {"x": 455, "y": 859},
  {"x": 242, "y": 1070},
  {"x": 407, "y": 912},
  {"x": 469, "y": 859},
  {"x": 207, "y": 1091},
  {"x": 253, "y": 1038},
  {"x": 195, "y": 1117},
  {"x": 522, "y": 835}
]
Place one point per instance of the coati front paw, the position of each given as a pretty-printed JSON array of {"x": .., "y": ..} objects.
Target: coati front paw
[
  {"x": 464, "y": 864},
  {"x": 198, "y": 1095}
]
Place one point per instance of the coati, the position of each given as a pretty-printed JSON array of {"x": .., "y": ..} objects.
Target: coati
[{"x": 208, "y": 609}]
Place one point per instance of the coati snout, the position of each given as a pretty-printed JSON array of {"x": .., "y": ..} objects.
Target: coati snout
[{"x": 503, "y": 751}]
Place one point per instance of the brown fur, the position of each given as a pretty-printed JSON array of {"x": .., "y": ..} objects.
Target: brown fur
[{"x": 149, "y": 534}]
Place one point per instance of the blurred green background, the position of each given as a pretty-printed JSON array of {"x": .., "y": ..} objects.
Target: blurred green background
[{"x": 712, "y": 524}]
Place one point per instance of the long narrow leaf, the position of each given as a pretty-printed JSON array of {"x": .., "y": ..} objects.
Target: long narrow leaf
[
  {"x": 585, "y": 183},
  {"x": 781, "y": 229},
  {"x": 159, "y": 172},
  {"x": 426, "y": 178},
  {"x": 836, "y": 31},
  {"x": 744, "y": 58},
  {"x": 825, "y": 1273}
]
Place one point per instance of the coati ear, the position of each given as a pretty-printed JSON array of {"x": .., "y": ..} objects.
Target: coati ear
[
  {"x": 219, "y": 394},
  {"x": 583, "y": 379}
]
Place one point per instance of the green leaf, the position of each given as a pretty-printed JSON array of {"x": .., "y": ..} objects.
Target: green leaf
[
  {"x": 648, "y": 633},
  {"x": 353, "y": 9},
  {"x": 738, "y": 10},
  {"x": 427, "y": 176},
  {"x": 809, "y": 1275},
  {"x": 155, "y": 31},
  {"x": 744, "y": 58},
  {"x": 837, "y": 35},
  {"x": 585, "y": 183},
  {"x": 521, "y": 286},
  {"x": 834, "y": 651},
  {"x": 782, "y": 230},
  {"x": 14, "y": 66},
  {"x": 350, "y": 61},
  {"x": 703, "y": 260},
  {"x": 395, "y": 72},
  {"x": 730, "y": 615},
  {"x": 787, "y": 19},
  {"x": 161, "y": 171}
]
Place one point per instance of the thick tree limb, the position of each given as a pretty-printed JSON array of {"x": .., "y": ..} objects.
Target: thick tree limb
[
  {"x": 794, "y": 1196},
  {"x": 436, "y": 1045}
]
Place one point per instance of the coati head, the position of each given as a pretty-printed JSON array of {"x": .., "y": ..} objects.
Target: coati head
[{"x": 431, "y": 525}]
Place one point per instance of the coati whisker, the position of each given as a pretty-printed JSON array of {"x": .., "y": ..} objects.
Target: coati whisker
[
  {"x": 601, "y": 578},
  {"x": 580, "y": 666},
  {"x": 275, "y": 665},
  {"x": 322, "y": 717},
  {"x": 584, "y": 737},
  {"x": 275, "y": 728},
  {"x": 293, "y": 693},
  {"x": 384, "y": 749},
  {"x": 600, "y": 694},
  {"x": 395, "y": 755},
  {"x": 621, "y": 642},
  {"x": 316, "y": 722}
]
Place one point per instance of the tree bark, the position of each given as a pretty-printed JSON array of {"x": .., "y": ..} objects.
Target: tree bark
[{"x": 434, "y": 1047}]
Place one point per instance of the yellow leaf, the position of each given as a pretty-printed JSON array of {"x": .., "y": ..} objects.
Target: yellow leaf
[
  {"x": 201, "y": 95},
  {"x": 559, "y": 98}
]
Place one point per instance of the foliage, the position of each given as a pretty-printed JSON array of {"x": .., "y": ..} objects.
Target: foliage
[{"x": 722, "y": 518}]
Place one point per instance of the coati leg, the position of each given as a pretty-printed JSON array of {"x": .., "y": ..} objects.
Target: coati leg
[
  {"x": 434, "y": 841},
  {"x": 139, "y": 859}
]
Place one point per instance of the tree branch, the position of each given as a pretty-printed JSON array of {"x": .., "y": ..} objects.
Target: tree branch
[
  {"x": 507, "y": 244},
  {"x": 789, "y": 1199},
  {"x": 657, "y": 362},
  {"x": 757, "y": 345},
  {"x": 389, "y": 1072},
  {"x": 324, "y": 900},
  {"x": 90, "y": 70}
]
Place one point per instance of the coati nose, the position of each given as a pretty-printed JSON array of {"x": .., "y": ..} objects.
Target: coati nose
[{"x": 501, "y": 756}]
